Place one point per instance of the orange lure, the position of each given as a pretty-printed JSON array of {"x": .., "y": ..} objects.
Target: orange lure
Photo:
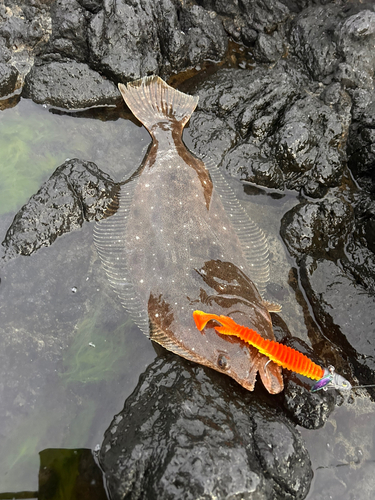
[{"x": 281, "y": 354}]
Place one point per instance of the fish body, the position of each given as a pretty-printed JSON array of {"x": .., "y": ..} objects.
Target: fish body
[{"x": 171, "y": 246}]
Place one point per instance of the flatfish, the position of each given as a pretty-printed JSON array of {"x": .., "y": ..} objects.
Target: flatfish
[{"x": 176, "y": 240}]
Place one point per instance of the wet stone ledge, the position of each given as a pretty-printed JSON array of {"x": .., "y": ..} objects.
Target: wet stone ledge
[
  {"x": 76, "y": 192},
  {"x": 189, "y": 432}
]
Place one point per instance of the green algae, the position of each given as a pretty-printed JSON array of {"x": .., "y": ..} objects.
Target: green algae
[
  {"x": 33, "y": 142},
  {"x": 95, "y": 354}
]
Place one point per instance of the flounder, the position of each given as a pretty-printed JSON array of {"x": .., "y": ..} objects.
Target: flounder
[{"x": 176, "y": 240}]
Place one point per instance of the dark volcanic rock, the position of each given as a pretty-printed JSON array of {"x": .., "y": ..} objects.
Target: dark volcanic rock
[
  {"x": 8, "y": 79},
  {"x": 340, "y": 45},
  {"x": 270, "y": 131},
  {"x": 361, "y": 143},
  {"x": 318, "y": 228},
  {"x": 76, "y": 192},
  {"x": 188, "y": 432},
  {"x": 253, "y": 22},
  {"x": 129, "y": 40},
  {"x": 68, "y": 32},
  {"x": 308, "y": 409},
  {"x": 69, "y": 85}
]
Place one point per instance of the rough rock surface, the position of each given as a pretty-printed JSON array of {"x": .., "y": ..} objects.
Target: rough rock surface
[
  {"x": 319, "y": 228},
  {"x": 186, "y": 433},
  {"x": 271, "y": 130},
  {"x": 338, "y": 47},
  {"x": 8, "y": 79},
  {"x": 69, "y": 84},
  {"x": 76, "y": 192},
  {"x": 361, "y": 142},
  {"x": 132, "y": 39}
]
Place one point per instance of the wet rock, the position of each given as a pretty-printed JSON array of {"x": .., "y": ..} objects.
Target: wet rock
[
  {"x": 131, "y": 40},
  {"x": 318, "y": 228},
  {"x": 76, "y": 192},
  {"x": 253, "y": 22},
  {"x": 68, "y": 32},
  {"x": 280, "y": 136},
  {"x": 361, "y": 142},
  {"x": 8, "y": 79},
  {"x": 69, "y": 85},
  {"x": 24, "y": 24},
  {"x": 188, "y": 432},
  {"x": 339, "y": 303},
  {"x": 268, "y": 48},
  {"x": 340, "y": 46},
  {"x": 359, "y": 258},
  {"x": 308, "y": 409}
]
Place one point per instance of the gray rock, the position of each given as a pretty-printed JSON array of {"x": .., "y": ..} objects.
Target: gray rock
[
  {"x": 318, "y": 228},
  {"x": 8, "y": 79},
  {"x": 271, "y": 132},
  {"x": 361, "y": 142},
  {"x": 253, "y": 21},
  {"x": 69, "y": 85},
  {"x": 340, "y": 45},
  {"x": 187, "y": 432},
  {"x": 68, "y": 32},
  {"x": 129, "y": 40},
  {"x": 308, "y": 409},
  {"x": 76, "y": 192}
]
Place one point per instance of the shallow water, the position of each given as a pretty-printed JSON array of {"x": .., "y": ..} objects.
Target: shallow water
[{"x": 69, "y": 354}]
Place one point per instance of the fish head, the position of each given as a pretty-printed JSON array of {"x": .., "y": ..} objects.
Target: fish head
[{"x": 240, "y": 360}]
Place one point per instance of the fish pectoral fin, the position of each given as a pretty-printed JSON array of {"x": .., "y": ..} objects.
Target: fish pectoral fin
[
  {"x": 272, "y": 306},
  {"x": 271, "y": 375}
]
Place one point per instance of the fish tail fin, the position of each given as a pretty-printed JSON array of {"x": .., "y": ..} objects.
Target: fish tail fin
[{"x": 152, "y": 100}]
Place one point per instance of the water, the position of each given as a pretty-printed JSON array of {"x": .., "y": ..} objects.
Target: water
[{"x": 70, "y": 356}]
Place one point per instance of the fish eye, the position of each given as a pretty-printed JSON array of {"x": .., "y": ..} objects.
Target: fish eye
[{"x": 223, "y": 362}]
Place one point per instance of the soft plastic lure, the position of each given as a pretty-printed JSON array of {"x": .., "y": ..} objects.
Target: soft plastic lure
[{"x": 281, "y": 354}]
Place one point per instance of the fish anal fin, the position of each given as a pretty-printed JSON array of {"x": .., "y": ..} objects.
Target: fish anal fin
[
  {"x": 171, "y": 344},
  {"x": 272, "y": 306}
]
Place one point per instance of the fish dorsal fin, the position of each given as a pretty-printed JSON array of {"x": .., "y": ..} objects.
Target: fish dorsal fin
[
  {"x": 109, "y": 237},
  {"x": 252, "y": 238},
  {"x": 152, "y": 100}
]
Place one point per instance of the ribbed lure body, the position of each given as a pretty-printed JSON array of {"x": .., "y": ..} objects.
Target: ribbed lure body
[{"x": 281, "y": 354}]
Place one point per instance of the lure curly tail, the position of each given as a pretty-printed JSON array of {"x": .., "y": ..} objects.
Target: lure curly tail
[{"x": 281, "y": 354}]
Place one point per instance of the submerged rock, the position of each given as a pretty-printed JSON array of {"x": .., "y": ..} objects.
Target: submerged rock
[
  {"x": 189, "y": 432},
  {"x": 339, "y": 303},
  {"x": 318, "y": 228},
  {"x": 69, "y": 85},
  {"x": 76, "y": 192}
]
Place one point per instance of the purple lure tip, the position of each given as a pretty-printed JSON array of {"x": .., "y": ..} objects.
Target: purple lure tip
[{"x": 323, "y": 382}]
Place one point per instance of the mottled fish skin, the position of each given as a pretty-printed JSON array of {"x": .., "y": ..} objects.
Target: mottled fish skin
[{"x": 181, "y": 250}]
